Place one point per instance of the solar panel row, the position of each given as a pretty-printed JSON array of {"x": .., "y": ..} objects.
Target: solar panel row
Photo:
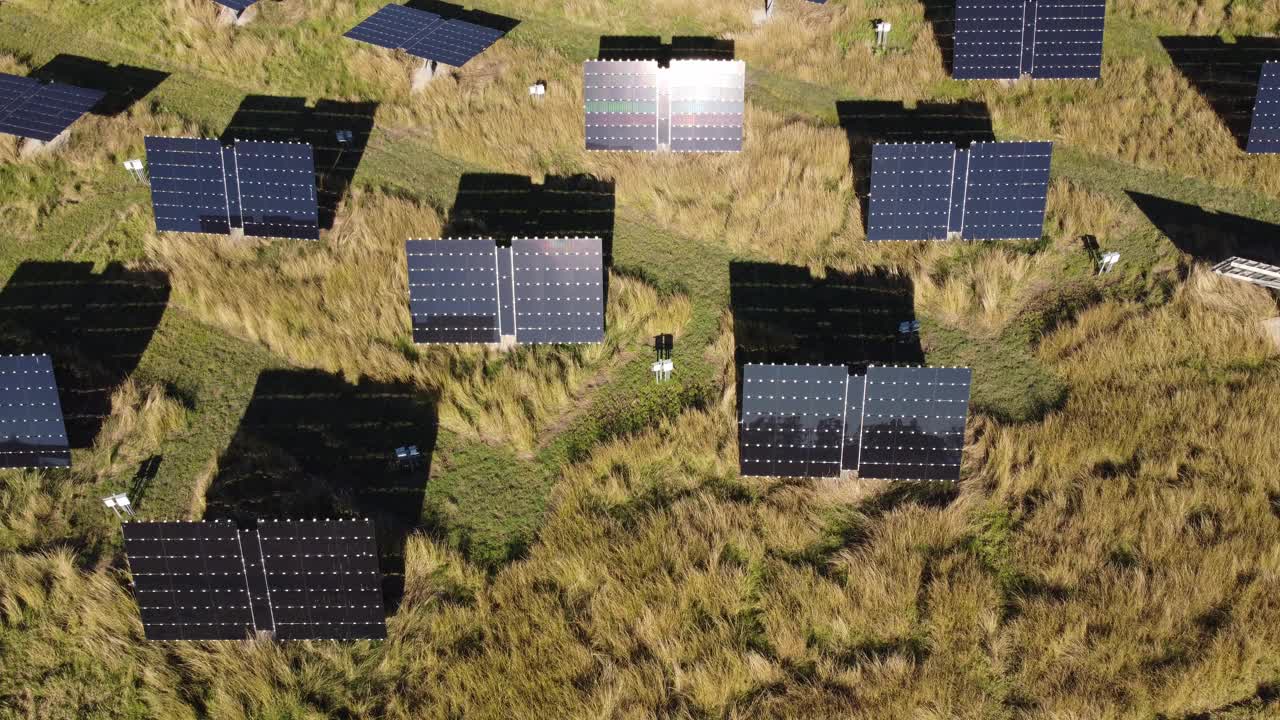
[
  {"x": 41, "y": 110},
  {"x": 927, "y": 191},
  {"x": 894, "y": 423},
  {"x": 299, "y": 579},
  {"x": 32, "y": 432},
  {"x": 425, "y": 34},
  {"x": 690, "y": 106},
  {"x": 1005, "y": 39},
  {"x": 1264, "y": 133}
]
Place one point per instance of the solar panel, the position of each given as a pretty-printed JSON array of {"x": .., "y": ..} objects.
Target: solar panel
[
  {"x": 913, "y": 423},
  {"x": 238, "y": 5},
  {"x": 621, "y": 104},
  {"x": 707, "y": 104},
  {"x": 32, "y": 433},
  {"x": 911, "y": 189},
  {"x": 792, "y": 420},
  {"x": 395, "y": 27},
  {"x": 559, "y": 290},
  {"x": 988, "y": 39},
  {"x": 189, "y": 580},
  {"x": 188, "y": 185},
  {"x": 323, "y": 579},
  {"x": 1264, "y": 133},
  {"x": 277, "y": 189},
  {"x": 1007, "y": 190},
  {"x": 453, "y": 291},
  {"x": 425, "y": 34},
  {"x": 42, "y": 111},
  {"x": 1068, "y": 38},
  {"x": 454, "y": 42}
]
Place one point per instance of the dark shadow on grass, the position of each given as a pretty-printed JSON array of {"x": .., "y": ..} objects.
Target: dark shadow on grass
[
  {"x": 147, "y": 471},
  {"x": 123, "y": 84},
  {"x": 507, "y": 206},
  {"x": 291, "y": 119},
  {"x": 647, "y": 47},
  {"x": 941, "y": 15},
  {"x": 1225, "y": 74},
  {"x": 95, "y": 326},
  {"x": 1211, "y": 236},
  {"x": 450, "y": 11},
  {"x": 312, "y": 445}
]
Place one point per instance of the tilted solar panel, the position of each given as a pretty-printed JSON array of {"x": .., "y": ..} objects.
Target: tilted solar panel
[
  {"x": 913, "y": 423},
  {"x": 621, "y": 104},
  {"x": 189, "y": 580},
  {"x": 42, "y": 111},
  {"x": 1068, "y": 38},
  {"x": 323, "y": 579},
  {"x": 188, "y": 185},
  {"x": 454, "y": 42},
  {"x": 559, "y": 290},
  {"x": 14, "y": 90},
  {"x": 910, "y": 191},
  {"x": 1264, "y": 133},
  {"x": 707, "y": 105},
  {"x": 453, "y": 291},
  {"x": 277, "y": 189},
  {"x": 792, "y": 420},
  {"x": 395, "y": 27},
  {"x": 1007, "y": 190},
  {"x": 32, "y": 432},
  {"x": 988, "y": 39}
]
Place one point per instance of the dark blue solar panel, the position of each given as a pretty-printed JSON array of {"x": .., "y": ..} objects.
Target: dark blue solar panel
[
  {"x": 707, "y": 104},
  {"x": 453, "y": 290},
  {"x": 43, "y": 110},
  {"x": 32, "y": 432},
  {"x": 621, "y": 104},
  {"x": 1007, "y": 189},
  {"x": 792, "y": 420},
  {"x": 910, "y": 191},
  {"x": 395, "y": 26},
  {"x": 1068, "y": 38},
  {"x": 559, "y": 290},
  {"x": 454, "y": 42},
  {"x": 188, "y": 186},
  {"x": 913, "y": 423},
  {"x": 277, "y": 189},
  {"x": 988, "y": 39},
  {"x": 1264, "y": 134},
  {"x": 237, "y": 5}
]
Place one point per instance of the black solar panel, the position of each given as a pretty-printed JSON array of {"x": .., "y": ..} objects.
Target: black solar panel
[
  {"x": 1068, "y": 38},
  {"x": 188, "y": 185},
  {"x": 707, "y": 105},
  {"x": 988, "y": 39},
  {"x": 621, "y": 104},
  {"x": 237, "y": 5},
  {"x": 189, "y": 580},
  {"x": 425, "y": 34},
  {"x": 559, "y": 290},
  {"x": 277, "y": 189},
  {"x": 453, "y": 291},
  {"x": 33, "y": 109},
  {"x": 911, "y": 191},
  {"x": 32, "y": 433},
  {"x": 913, "y": 423},
  {"x": 323, "y": 579},
  {"x": 454, "y": 42},
  {"x": 395, "y": 27},
  {"x": 1264, "y": 133},
  {"x": 792, "y": 420},
  {"x": 1007, "y": 189}
]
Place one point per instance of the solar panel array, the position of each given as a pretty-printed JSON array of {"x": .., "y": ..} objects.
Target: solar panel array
[
  {"x": 991, "y": 191},
  {"x": 32, "y": 432},
  {"x": 39, "y": 110},
  {"x": 1005, "y": 39},
  {"x": 539, "y": 290},
  {"x": 425, "y": 34},
  {"x": 300, "y": 580},
  {"x": 1264, "y": 132},
  {"x": 267, "y": 189},
  {"x": 689, "y": 106},
  {"x": 894, "y": 423}
]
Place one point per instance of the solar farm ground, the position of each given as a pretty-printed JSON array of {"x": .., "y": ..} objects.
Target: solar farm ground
[{"x": 584, "y": 544}]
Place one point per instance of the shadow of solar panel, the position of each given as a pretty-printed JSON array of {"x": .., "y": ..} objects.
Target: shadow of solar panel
[
  {"x": 453, "y": 291},
  {"x": 189, "y": 580},
  {"x": 707, "y": 101},
  {"x": 32, "y": 432},
  {"x": 42, "y": 111},
  {"x": 238, "y": 5},
  {"x": 323, "y": 579},
  {"x": 188, "y": 185},
  {"x": 910, "y": 191},
  {"x": 913, "y": 423},
  {"x": 1007, "y": 190},
  {"x": 1226, "y": 74},
  {"x": 792, "y": 420},
  {"x": 621, "y": 105},
  {"x": 395, "y": 27},
  {"x": 1209, "y": 236},
  {"x": 454, "y": 42},
  {"x": 988, "y": 39},
  {"x": 1264, "y": 132},
  {"x": 1068, "y": 38},
  {"x": 559, "y": 290},
  {"x": 277, "y": 189}
]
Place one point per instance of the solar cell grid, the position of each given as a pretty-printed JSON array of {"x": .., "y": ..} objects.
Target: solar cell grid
[
  {"x": 42, "y": 111},
  {"x": 792, "y": 420},
  {"x": 910, "y": 191},
  {"x": 1068, "y": 38},
  {"x": 621, "y": 105},
  {"x": 707, "y": 105},
  {"x": 913, "y": 423},
  {"x": 275, "y": 184},
  {"x": 1007, "y": 190},
  {"x": 559, "y": 290},
  {"x": 454, "y": 42},
  {"x": 188, "y": 185},
  {"x": 1264, "y": 132},
  {"x": 395, "y": 27},
  {"x": 453, "y": 291},
  {"x": 988, "y": 39},
  {"x": 32, "y": 431}
]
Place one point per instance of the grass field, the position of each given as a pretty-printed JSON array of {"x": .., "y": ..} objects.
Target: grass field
[{"x": 583, "y": 546}]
